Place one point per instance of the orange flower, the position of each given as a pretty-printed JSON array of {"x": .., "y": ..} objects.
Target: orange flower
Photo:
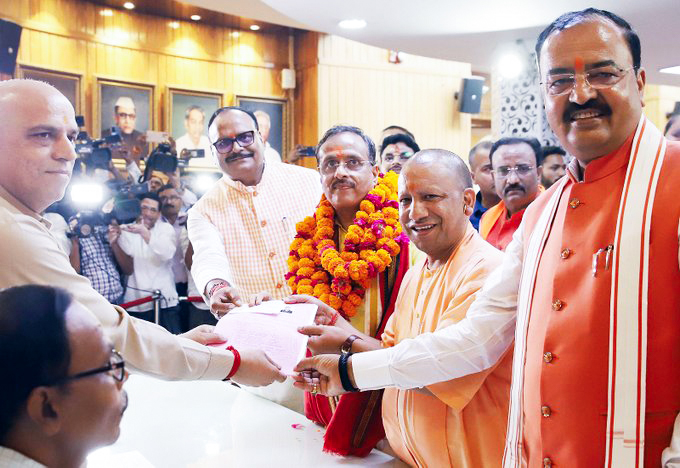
[
  {"x": 317, "y": 235},
  {"x": 305, "y": 289},
  {"x": 367, "y": 206}
]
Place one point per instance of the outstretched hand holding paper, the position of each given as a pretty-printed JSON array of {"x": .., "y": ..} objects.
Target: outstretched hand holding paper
[{"x": 272, "y": 327}]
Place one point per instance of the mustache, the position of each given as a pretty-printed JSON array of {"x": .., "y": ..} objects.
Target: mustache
[
  {"x": 240, "y": 154},
  {"x": 512, "y": 187},
  {"x": 343, "y": 182},
  {"x": 593, "y": 104}
]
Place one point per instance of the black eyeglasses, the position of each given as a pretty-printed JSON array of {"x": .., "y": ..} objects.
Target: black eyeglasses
[
  {"x": 116, "y": 368},
  {"x": 224, "y": 145}
]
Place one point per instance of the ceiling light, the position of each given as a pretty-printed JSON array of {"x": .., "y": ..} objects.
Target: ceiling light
[
  {"x": 254, "y": 27},
  {"x": 510, "y": 65},
  {"x": 174, "y": 24},
  {"x": 352, "y": 24},
  {"x": 235, "y": 34},
  {"x": 106, "y": 12},
  {"x": 128, "y": 5},
  {"x": 674, "y": 70},
  {"x": 196, "y": 17}
]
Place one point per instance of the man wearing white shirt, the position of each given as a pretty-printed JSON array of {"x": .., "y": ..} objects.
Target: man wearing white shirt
[
  {"x": 194, "y": 138},
  {"x": 152, "y": 244},
  {"x": 265, "y": 123}
]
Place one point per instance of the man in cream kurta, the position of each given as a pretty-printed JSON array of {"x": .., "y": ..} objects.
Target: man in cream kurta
[
  {"x": 36, "y": 160},
  {"x": 241, "y": 230}
]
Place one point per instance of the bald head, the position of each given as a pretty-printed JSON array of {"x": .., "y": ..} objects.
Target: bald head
[
  {"x": 450, "y": 165},
  {"x": 435, "y": 202},
  {"x": 36, "y": 142}
]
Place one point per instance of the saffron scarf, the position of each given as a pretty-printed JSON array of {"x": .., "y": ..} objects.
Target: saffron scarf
[{"x": 628, "y": 308}]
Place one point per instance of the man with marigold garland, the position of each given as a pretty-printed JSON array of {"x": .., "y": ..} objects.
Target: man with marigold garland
[
  {"x": 352, "y": 256},
  {"x": 459, "y": 422}
]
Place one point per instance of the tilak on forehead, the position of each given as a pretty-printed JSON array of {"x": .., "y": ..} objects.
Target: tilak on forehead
[{"x": 579, "y": 65}]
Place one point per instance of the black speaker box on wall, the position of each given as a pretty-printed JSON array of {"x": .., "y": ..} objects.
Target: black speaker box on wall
[
  {"x": 470, "y": 96},
  {"x": 10, "y": 33}
]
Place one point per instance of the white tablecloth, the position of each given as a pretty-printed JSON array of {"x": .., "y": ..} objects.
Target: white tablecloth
[{"x": 215, "y": 424}]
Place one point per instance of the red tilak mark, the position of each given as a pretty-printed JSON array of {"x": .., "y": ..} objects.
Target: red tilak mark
[{"x": 578, "y": 64}]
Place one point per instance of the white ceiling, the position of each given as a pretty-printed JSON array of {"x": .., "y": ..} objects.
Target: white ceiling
[{"x": 466, "y": 31}]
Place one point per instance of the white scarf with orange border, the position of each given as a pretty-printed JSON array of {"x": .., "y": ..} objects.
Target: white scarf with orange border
[{"x": 628, "y": 308}]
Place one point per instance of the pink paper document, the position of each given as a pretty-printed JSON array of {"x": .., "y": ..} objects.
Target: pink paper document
[{"x": 272, "y": 327}]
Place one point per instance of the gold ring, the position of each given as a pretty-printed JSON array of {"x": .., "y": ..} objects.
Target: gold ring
[{"x": 315, "y": 389}]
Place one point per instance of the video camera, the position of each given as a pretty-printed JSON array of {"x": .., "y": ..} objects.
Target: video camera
[
  {"x": 96, "y": 154},
  {"x": 124, "y": 211}
]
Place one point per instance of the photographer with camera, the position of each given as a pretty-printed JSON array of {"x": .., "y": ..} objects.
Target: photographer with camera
[
  {"x": 152, "y": 244},
  {"x": 96, "y": 255}
]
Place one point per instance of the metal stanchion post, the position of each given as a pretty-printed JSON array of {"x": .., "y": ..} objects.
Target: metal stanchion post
[{"x": 157, "y": 305}]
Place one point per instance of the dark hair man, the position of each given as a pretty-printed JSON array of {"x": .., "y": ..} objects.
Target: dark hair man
[
  {"x": 591, "y": 281},
  {"x": 554, "y": 165},
  {"x": 516, "y": 171},
  {"x": 241, "y": 229},
  {"x": 395, "y": 151},
  {"x": 134, "y": 145},
  {"x": 152, "y": 244},
  {"x": 62, "y": 390},
  {"x": 194, "y": 138},
  {"x": 36, "y": 162},
  {"x": 480, "y": 168}
]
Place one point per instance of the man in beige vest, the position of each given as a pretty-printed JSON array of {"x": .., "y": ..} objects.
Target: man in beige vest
[{"x": 241, "y": 230}]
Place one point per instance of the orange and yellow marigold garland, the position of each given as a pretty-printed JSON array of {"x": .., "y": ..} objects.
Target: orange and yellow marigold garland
[{"x": 337, "y": 278}]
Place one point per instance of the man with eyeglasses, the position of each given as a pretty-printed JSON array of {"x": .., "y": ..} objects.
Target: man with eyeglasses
[
  {"x": 516, "y": 171},
  {"x": 356, "y": 197},
  {"x": 590, "y": 285},
  {"x": 62, "y": 385},
  {"x": 395, "y": 151},
  {"x": 241, "y": 229},
  {"x": 134, "y": 145}
]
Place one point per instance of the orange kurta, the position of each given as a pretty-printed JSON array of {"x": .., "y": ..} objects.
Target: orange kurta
[
  {"x": 463, "y": 424},
  {"x": 565, "y": 387}
]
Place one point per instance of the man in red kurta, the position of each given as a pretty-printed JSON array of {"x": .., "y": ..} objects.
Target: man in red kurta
[
  {"x": 516, "y": 169},
  {"x": 566, "y": 370}
]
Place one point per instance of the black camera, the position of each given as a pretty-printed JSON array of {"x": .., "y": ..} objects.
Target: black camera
[
  {"x": 83, "y": 224},
  {"x": 96, "y": 154},
  {"x": 163, "y": 158}
]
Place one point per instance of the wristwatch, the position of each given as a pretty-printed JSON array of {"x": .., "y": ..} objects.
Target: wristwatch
[{"x": 346, "y": 347}]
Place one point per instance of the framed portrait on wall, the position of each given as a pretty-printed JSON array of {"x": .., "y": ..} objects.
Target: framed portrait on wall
[
  {"x": 277, "y": 109},
  {"x": 69, "y": 84},
  {"x": 127, "y": 106},
  {"x": 187, "y": 114}
]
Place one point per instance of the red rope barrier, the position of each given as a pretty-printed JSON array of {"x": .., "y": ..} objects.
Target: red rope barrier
[
  {"x": 190, "y": 299},
  {"x": 137, "y": 302}
]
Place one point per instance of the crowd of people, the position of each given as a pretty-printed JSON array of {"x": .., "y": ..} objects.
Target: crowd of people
[{"x": 529, "y": 323}]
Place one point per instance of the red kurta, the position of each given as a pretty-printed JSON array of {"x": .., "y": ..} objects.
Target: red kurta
[{"x": 565, "y": 388}]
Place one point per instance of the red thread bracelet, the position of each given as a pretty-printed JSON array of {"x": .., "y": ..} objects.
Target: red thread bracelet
[
  {"x": 334, "y": 319},
  {"x": 237, "y": 362}
]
